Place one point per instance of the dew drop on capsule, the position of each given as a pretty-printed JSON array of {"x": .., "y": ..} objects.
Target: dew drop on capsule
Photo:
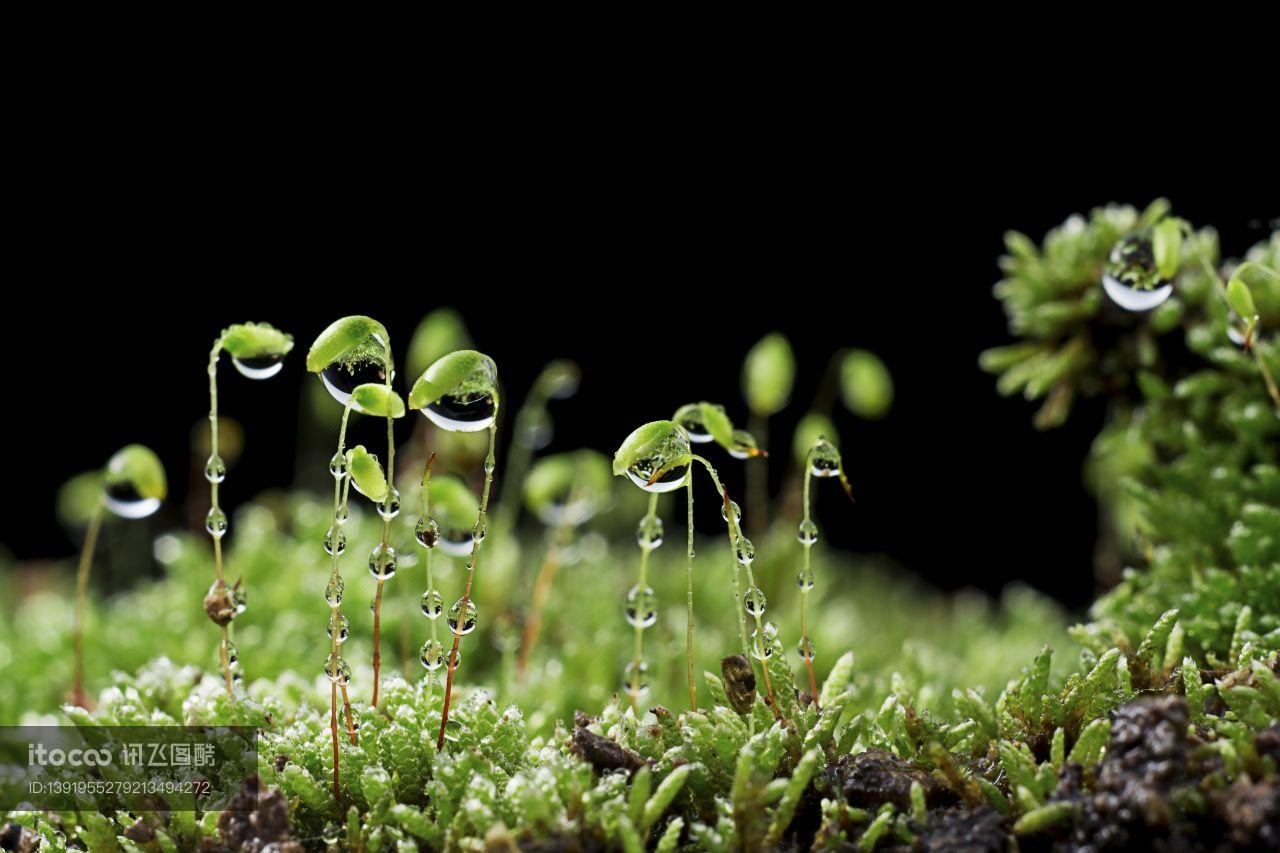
[
  {"x": 335, "y": 541},
  {"x": 805, "y": 648},
  {"x": 259, "y": 367},
  {"x": 733, "y": 506},
  {"x": 754, "y": 601},
  {"x": 807, "y": 532},
  {"x": 338, "y": 626},
  {"x": 341, "y": 378},
  {"x": 666, "y": 477},
  {"x": 338, "y": 465},
  {"x": 337, "y": 669},
  {"x": 689, "y": 418},
  {"x": 642, "y": 608},
  {"x": 1131, "y": 278},
  {"x": 215, "y": 521},
  {"x": 462, "y": 624},
  {"x": 390, "y": 507},
  {"x": 333, "y": 592},
  {"x": 825, "y": 460},
  {"x": 649, "y": 533},
  {"x": 744, "y": 445},
  {"x": 471, "y": 407},
  {"x": 804, "y": 579},
  {"x": 432, "y": 655},
  {"x": 123, "y": 500},
  {"x": 432, "y": 604},
  {"x": 382, "y": 562},
  {"x": 215, "y": 470},
  {"x": 746, "y": 551},
  {"x": 427, "y": 532}
]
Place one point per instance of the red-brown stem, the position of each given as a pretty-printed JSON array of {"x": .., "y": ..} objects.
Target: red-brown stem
[
  {"x": 377, "y": 644},
  {"x": 346, "y": 709}
]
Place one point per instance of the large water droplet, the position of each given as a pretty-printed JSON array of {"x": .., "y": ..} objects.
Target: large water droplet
[
  {"x": 382, "y": 562},
  {"x": 1131, "y": 278},
  {"x": 335, "y": 539},
  {"x": 456, "y": 542},
  {"x": 733, "y": 507},
  {"x": 804, "y": 579},
  {"x": 825, "y": 459},
  {"x": 467, "y": 623},
  {"x": 807, "y": 532},
  {"x": 215, "y": 521},
  {"x": 745, "y": 550},
  {"x": 123, "y": 499},
  {"x": 754, "y": 601},
  {"x": 215, "y": 470},
  {"x": 432, "y": 604},
  {"x": 427, "y": 532},
  {"x": 342, "y": 378},
  {"x": 666, "y": 477},
  {"x": 390, "y": 507},
  {"x": 338, "y": 465},
  {"x": 337, "y": 623},
  {"x": 806, "y": 649},
  {"x": 641, "y": 683},
  {"x": 337, "y": 669},
  {"x": 649, "y": 533},
  {"x": 259, "y": 367},
  {"x": 333, "y": 592},
  {"x": 763, "y": 647},
  {"x": 432, "y": 655},
  {"x": 744, "y": 445},
  {"x": 642, "y": 607},
  {"x": 689, "y": 418},
  {"x": 471, "y": 407}
]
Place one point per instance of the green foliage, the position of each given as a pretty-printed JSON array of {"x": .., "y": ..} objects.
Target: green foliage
[
  {"x": 255, "y": 340},
  {"x": 366, "y": 473},
  {"x": 768, "y": 373},
  {"x": 379, "y": 400},
  {"x": 455, "y": 374},
  {"x": 344, "y": 341}
]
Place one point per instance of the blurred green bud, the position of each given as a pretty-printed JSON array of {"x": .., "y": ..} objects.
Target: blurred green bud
[
  {"x": 568, "y": 488},
  {"x": 440, "y": 333},
  {"x": 768, "y": 375},
  {"x": 865, "y": 384}
]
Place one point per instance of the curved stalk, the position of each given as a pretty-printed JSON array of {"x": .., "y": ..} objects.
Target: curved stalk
[
  {"x": 223, "y": 652},
  {"x": 389, "y": 369},
  {"x": 335, "y": 606},
  {"x": 78, "y": 695},
  {"x": 637, "y": 658}
]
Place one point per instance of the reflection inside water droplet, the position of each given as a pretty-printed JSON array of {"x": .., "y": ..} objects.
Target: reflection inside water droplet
[
  {"x": 469, "y": 407},
  {"x": 1131, "y": 278},
  {"x": 260, "y": 367},
  {"x": 341, "y": 378},
  {"x": 460, "y": 624},
  {"x": 642, "y": 607},
  {"x": 123, "y": 500}
]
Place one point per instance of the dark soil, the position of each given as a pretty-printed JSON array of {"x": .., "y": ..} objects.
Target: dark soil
[{"x": 255, "y": 821}]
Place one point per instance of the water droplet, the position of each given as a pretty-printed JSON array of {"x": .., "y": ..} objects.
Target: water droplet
[
  {"x": 427, "y": 532},
  {"x": 642, "y": 683},
  {"x": 390, "y": 507},
  {"x": 382, "y": 562},
  {"x": 754, "y": 601},
  {"x": 764, "y": 650},
  {"x": 432, "y": 655},
  {"x": 1131, "y": 278},
  {"x": 353, "y": 719},
  {"x": 825, "y": 459},
  {"x": 642, "y": 607},
  {"x": 123, "y": 499},
  {"x": 330, "y": 542},
  {"x": 218, "y": 604},
  {"x": 689, "y": 418},
  {"x": 342, "y": 378},
  {"x": 807, "y": 532},
  {"x": 805, "y": 648},
  {"x": 337, "y": 669},
  {"x": 737, "y": 511},
  {"x": 804, "y": 579},
  {"x": 260, "y": 367},
  {"x": 468, "y": 624},
  {"x": 215, "y": 470},
  {"x": 338, "y": 465},
  {"x": 649, "y": 533},
  {"x": 338, "y": 623},
  {"x": 432, "y": 604},
  {"x": 535, "y": 429},
  {"x": 744, "y": 445},
  {"x": 341, "y": 515},
  {"x": 239, "y": 599},
  {"x": 470, "y": 407},
  {"x": 233, "y": 654},
  {"x": 479, "y": 530},
  {"x": 1236, "y": 329},
  {"x": 457, "y": 662},
  {"x": 746, "y": 551},
  {"x": 668, "y": 477},
  {"x": 215, "y": 521},
  {"x": 456, "y": 542},
  {"x": 333, "y": 592}
]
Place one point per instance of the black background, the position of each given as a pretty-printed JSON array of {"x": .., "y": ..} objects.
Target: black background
[{"x": 655, "y": 284}]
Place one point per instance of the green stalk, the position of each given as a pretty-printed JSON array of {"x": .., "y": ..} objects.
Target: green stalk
[
  {"x": 339, "y": 501},
  {"x": 78, "y": 695},
  {"x": 223, "y": 653},
  {"x": 386, "y": 535},
  {"x": 637, "y": 657},
  {"x": 688, "y": 605},
  {"x": 804, "y": 588}
]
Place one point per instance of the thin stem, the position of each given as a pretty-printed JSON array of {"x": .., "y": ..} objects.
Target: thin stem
[
  {"x": 333, "y": 730},
  {"x": 386, "y": 536},
  {"x": 804, "y": 589},
  {"x": 477, "y": 537},
  {"x": 637, "y": 657},
  {"x": 78, "y": 695},
  {"x": 735, "y": 533},
  {"x": 426, "y": 513},
  {"x": 335, "y": 605},
  {"x": 688, "y": 604},
  {"x": 224, "y": 630}
]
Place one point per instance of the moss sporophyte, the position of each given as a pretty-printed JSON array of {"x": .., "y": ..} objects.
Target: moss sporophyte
[{"x": 962, "y": 723}]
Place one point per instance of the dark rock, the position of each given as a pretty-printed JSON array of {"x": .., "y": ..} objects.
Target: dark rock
[
  {"x": 870, "y": 779},
  {"x": 963, "y": 831},
  {"x": 255, "y": 821},
  {"x": 15, "y": 836},
  {"x": 603, "y": 754}
]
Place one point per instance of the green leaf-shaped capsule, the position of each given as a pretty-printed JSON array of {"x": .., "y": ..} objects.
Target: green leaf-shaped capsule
[
  {"x": 343, "y": 340},
  {"x": 373, "y": 399},
  {"x": 79, "y": 498},
  {"x": 134, "y": 483},
  {"x": 367, "y": 474},
  {"x": 768, "y": 375},
  {"x": 1166, "y": 245},
  {"x": 440, "y": 332},
  {"x": 255, "y": 340},
  {"x": 865, "y": 384},
  {"x": 458, "y": 392},
  {"x": 568, "y": 488},
  {"x": 703, "y": 422},
  {"x": 655, "y": 457}
]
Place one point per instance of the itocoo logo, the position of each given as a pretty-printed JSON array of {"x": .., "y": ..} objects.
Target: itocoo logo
[{"x": 40, "y": 756}]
